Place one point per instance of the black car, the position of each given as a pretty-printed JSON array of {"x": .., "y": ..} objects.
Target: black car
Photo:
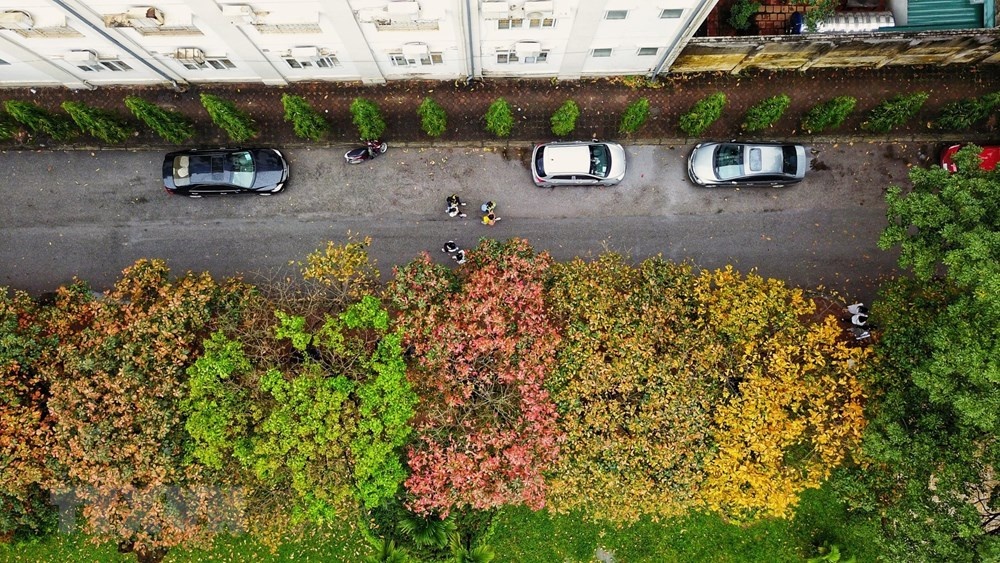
[{"x": 198, "y": 172}]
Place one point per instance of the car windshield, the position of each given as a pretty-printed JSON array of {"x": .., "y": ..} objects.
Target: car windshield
[
  {"x": 600, "y": 160},
  {"x": 728, "y": 161},
  {"x": 790, "y": 161},
  {"x": 540, "y": 161},
  {"x": 241, "y": 166}
]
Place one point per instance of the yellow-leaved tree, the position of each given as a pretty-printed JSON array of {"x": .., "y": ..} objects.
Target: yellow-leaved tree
[{"x": 792, "y": 408}]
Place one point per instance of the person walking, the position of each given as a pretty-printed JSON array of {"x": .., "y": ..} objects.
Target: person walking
[
  {"x": 453, "y": 211},
  {"x": 488, "y": 207},
  {"x": 450, "y": 247},
  {"x": 857, "y": 309},
  {"x": 490, "y": 219},
  {"x": 459, "y": 256},
  {"x": 454, "y": 200}
]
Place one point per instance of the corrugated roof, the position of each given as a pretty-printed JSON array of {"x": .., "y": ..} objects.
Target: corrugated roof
[{"x": 944, "y": 14}]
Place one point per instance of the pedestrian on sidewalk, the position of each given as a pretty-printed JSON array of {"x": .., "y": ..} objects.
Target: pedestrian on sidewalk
[
  {"x": 459, "y": 256},
  {"x": 490, "y": 219},
  {"x": 454, "y": 200},
  {"x": 488, "y": 207},
  {"x": 453, "y": 211},
  {"x": 450, "y": 247},
  {"x": 857, "y": 309}
]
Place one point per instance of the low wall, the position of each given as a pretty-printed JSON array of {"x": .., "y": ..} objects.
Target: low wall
[{"x": 868, "y": 50}]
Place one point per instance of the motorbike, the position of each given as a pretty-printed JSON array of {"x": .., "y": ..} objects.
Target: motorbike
[{"x": 367, "y": 152}]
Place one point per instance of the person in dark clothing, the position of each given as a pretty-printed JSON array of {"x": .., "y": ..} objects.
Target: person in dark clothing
[
  {"x": 459, "y": 256},
  {"x": 450, "y": 247}
]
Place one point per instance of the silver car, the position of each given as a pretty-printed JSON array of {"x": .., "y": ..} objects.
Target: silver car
[
  {"x": 578, "y": 163},
  {"x": 747, "y": 164}
]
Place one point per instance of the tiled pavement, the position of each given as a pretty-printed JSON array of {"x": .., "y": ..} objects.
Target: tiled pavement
[{"x": 601, "y": 102}]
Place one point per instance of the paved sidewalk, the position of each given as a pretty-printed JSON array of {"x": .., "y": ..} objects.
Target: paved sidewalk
[{"x": 601, "y": 102}]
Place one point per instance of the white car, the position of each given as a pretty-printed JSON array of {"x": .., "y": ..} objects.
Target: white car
[{"x": 577, "y": 163}]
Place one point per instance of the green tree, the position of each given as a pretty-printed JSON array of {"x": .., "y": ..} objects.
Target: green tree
[
  {"x": 894, "y": 112},
  {"x": 8, "y": 126},
  {"x": 40, "y": 120},
  {"x": 703, "y": 114},
  {"x": 829, "y": 114},
  {"x": 306, "y": 121},
  {"x": 235, "y": 122},
  {"x": 932, "y": 445},
  {"x": 171, "y": 126},
  {"x": 765, "y": 113},
  {"x": 433, "y": 119},
  {"x": 499, "y": 118},
  {"x": 367, "y": 117},
  {"x": 635, "y": 116},
  {"x": 564, "y": 119},
  {"x": 99, "y": 123}
]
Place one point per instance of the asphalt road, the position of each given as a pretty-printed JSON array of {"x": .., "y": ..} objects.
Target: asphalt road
[{"x": 90, "y": 214}]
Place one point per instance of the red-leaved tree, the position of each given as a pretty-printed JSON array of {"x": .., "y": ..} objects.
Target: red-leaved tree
[{"x": 483, "y": 344}]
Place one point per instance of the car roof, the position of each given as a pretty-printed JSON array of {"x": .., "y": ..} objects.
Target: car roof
[{"x": 566, "y": 159}]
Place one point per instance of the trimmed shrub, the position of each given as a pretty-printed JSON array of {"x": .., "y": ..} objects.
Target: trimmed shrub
[
  {"x": 306, "y": 121},
  {"x": 564, "y": 119},
  {"x": 703, "y": 114},
  {"x": 499, "y": 118},
  {"x": 367, "y": 117},
  {"x": 40, "y": 120},
  {"x": 98, "y": 123},
  {"x": 964, "y": 114},
  {"x": 742, "y": 12},
  {"x": 765, "y": 113},
  {"x": 235, "y": 122},
  {"x": 433, "y": 119},
  {"x": 829, "y": 114},
  {"x": 894, "y": 112},
  {"x": 171, "y": 126},
  {"x": 635, "y": 116},
  {"x": 8, "y": 126}
]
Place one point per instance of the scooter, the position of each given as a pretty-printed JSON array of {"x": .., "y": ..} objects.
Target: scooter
[{"x": 367, "y": 152}]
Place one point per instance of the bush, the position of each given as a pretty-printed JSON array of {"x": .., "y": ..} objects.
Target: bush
[
  {"x": 8, "y": 126},
  {"x": 766, "y": 113},
  {"x": 367, "y": 117},
  {"x": 171, "y": 126},
  {"x": 741, "y": 12},
  {"x": 635, "y": 116},
  {"x": 236, "y": 123},
  {"x": 97, "y": 122},
  {"x": 964, "y": 114},
  {"x": 499, "y": 118},
  {"x": 564, "y": 119},
  {"x": 829, "y": 114},
  {"x": 306, "y": 121},
  {"x": 894, "y": 112},
  {"x": 40, "y": 120},
  {"x": 703, "y": 114},
  {"x": 433, "y": 119}
]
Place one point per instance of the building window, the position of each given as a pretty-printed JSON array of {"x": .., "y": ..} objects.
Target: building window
[
  {"x": 535, "y": 23},
  {"x": 218, "y": 63},
  {"x": 510, "y": 23},
  {"x": 646, "y": 51},
  {"x": 509, "y": 56},
  {"x": 328, "y": 61},
  {"x": 289, "y": 28},
  {"x": 600, "y": 53},
  {"x": 670, "y": 14},
  {"x": 427, "y": 59},
  {"x": 616, "y": 14},
  {"x": 112, "y": 65}
]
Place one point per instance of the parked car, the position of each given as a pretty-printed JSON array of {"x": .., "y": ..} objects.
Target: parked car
[
  {"x": 577, "y": 163},
  {"x": 198, "y": 172},
  {"x": 988, "y": 158},
  {"x": 747, "y": 164}
]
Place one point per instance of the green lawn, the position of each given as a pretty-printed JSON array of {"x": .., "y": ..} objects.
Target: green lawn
[{"x": 528, "y": 537}]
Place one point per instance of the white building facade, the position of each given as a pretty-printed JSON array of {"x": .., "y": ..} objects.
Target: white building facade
[{"x": 92, "y": 43}]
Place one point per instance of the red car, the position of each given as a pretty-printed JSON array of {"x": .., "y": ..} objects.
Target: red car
[{"x": 988, "y": 159}]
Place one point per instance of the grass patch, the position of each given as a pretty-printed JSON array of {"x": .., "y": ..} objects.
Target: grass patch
[{"x": 537, "y": 537}]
